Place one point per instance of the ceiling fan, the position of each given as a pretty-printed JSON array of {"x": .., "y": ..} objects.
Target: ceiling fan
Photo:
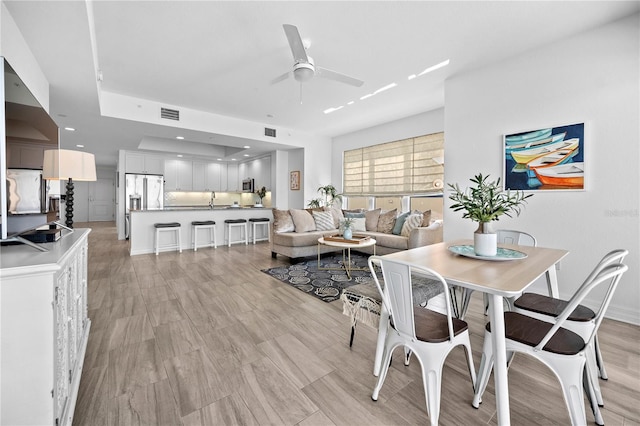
[{"x": 304, "y": 69}]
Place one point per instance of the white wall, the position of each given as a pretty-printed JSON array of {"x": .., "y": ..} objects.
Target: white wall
[
  {"x": 408, "y": 127},
  {"x": 591, "y": 78},
  {"x": 16, "y": 51}
]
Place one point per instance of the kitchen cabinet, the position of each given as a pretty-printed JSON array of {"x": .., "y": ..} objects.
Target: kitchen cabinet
[
  {"x": 45, "y": 328},
  {"x": 206, "y": 176},
  {"x": 178, "y": 175},
  {"x": 233, "y": 179},
  {"x": 143, "y": 164},
  {"x": 258, "y": 169},
  {"x": 26, "y": 156}
]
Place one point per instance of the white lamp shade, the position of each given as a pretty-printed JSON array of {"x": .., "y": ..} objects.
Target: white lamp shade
[{"x": 63, "y": 164}]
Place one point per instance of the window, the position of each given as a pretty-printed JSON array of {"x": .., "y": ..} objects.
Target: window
[{"x": 409, "y": 166}]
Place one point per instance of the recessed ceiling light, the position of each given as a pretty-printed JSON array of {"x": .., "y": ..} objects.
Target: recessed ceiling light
[
  {"x": 180, "y": 155},
  {"x": 180, "y": 137},
  {"x": 247, "y": 147},
  {"x": 246, "y": 155},
  {"x": 233, "y": 159},
  {"x": 71, "y": 129},
  {"x": 80, "y": 146},
  {"x": 219, "y": 159}
]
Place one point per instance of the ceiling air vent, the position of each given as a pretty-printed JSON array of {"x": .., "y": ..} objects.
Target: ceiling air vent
[
  {"x": 270, "y": 132},
  {"x": 170, "y": 114}
]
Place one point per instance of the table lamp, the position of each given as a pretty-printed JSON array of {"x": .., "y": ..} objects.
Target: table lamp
[{"x": 64, "y": 164}]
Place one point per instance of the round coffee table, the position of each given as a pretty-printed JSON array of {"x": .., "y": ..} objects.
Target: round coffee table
[{"x": 346, "y": 252}]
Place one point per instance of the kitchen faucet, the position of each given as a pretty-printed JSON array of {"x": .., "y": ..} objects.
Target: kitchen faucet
[{"x": 213, "y": 195}]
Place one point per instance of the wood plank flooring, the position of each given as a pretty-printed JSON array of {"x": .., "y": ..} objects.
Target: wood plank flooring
[{"x": 205, "y": 338}]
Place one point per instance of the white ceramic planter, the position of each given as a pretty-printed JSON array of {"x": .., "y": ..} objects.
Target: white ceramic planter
[{"x": 485, "y": 242}]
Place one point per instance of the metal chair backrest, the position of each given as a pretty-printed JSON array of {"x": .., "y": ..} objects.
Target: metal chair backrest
[
  {"x": 397, "y": 292},
  {"x": 610, "y": 274},
  {"x": 506, "y": 236}
]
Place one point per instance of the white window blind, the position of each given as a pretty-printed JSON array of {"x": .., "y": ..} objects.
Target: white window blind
[{"x": 408, "y": 166}]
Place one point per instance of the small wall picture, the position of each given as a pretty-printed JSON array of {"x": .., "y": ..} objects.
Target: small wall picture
[
  {"x": 294, "y": 180},
  {"x": 545, "y": 159}
]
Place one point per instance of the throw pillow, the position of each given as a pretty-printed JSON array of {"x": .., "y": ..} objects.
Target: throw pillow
[
  {"x": 372, "y": 217},
  {"x": 337, "y": 214},
  {"x": 282, "y": 221},
  {"x": 323, "y": 220},
  {"x": 413, "y": 221},
  {"x": 397, "y": 227},
  {"x": 302, "y": 220},
  {"x": 352, "y": 211},
  {"x": 386, "y": 220},
  {"x": 359, "y": 224},
  {"x": 354, "y": 214}
]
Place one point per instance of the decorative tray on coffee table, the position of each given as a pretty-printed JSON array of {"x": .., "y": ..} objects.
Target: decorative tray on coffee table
[{"x": 356, "y": 239}]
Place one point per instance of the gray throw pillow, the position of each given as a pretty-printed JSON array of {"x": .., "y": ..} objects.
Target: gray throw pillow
[
  {"x": 302, "y": 220},
  {"x": 397, "y": 228}
]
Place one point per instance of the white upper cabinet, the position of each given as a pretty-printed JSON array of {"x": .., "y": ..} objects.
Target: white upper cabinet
[
  {"x": 178, "y": 175},
  {"x": 233, "y": 179},
  {"x": 144, "y": 164},
  {"x": 206, "y": 176}
]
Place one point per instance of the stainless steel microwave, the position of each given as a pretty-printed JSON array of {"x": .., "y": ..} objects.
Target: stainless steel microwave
[{"x": 248, "y": 185}]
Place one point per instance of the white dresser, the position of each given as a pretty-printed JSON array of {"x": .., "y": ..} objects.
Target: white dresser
[{"x": 44, "y": 329}]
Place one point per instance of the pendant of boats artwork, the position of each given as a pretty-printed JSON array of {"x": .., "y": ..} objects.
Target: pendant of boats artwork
[{"x": 546, "y": 158}]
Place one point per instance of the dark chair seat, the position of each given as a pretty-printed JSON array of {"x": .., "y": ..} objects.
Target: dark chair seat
[
  {"x": 260, "y": 219},
  {"x": 546, "y": 305},
  {"x": 235, "y": 220},
  {"x": 203, "y": 222},
  {"x": 167, "y": 225},
  {"x": 530, "y": 331},
  {"x": 432, "y": 326}
]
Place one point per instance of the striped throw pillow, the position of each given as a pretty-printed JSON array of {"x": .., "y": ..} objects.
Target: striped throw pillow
[
  {"x": 413, "y": 221},
  {"x": 324, "y": 221}
]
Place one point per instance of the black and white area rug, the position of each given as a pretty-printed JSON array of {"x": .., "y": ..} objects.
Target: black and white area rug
[{"x": 323, "y": 284}]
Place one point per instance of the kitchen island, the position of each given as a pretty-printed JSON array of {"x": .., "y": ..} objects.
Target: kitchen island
[{"x": 142, "y": 231}]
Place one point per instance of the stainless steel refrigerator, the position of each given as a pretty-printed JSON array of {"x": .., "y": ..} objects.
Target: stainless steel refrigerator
[{"x": 143, "y": 192}]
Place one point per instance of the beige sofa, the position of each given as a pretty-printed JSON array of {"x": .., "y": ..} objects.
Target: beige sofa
[{"x": 303, "y": 244}]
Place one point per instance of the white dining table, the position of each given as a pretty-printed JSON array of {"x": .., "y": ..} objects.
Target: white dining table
[{"x": 499, "y": 279}]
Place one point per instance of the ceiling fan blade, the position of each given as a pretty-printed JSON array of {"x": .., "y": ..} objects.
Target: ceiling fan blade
[
  {"x": 295, "y": 41},
  {"x": 333, "y": 75},
  {"x": 283, "y": 77}
]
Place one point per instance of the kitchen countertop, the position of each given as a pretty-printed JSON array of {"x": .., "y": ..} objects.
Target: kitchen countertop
[{"x": 203, "y": 208}]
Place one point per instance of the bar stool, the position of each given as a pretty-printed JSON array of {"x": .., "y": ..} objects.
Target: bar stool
[
  {"x": 167, "y": 227},
  {"x": 236, "y": 223},
  {"x": 204, "y": 225},
  {"x": 264, "y": 223}
]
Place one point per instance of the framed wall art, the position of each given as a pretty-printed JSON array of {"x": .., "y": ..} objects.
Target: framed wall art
[
  {"x": 294, "y": 180},
  {"x": 550, "y": 158}
]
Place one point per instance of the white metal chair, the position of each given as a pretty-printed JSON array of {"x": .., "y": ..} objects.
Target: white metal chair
[
  {"x": 430, "y": 335},
  {"x": 581, "y": 321},
  {"x": 559, "y": 348}
]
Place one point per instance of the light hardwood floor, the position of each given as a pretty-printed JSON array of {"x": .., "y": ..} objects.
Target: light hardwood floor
[{"x": 206, "y": 338}]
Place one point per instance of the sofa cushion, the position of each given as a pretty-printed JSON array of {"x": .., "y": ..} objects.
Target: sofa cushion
[
  {"x": 323, "y": 220},
  {"x": 337, "y": 214},
  {"x": 282, "y": 221},
  {"x": 345, "y": 211},
  {"x": 386, "y": 220},
  {"x": 358, "y": 224},
  {"x": 397, "y": 227},
  {"x": 302, "y": 220},
  {"x": 391, "y": 241},
  {"x": 413, "y": 221},
  {"x": 296, "y": 239},
  {"x": 372, "y": 217}
]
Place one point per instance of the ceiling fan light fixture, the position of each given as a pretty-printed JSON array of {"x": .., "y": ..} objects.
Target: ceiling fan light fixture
[{"x": 303, "y": 72}]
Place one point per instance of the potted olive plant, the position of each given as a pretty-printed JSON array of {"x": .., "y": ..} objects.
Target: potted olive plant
[
  {"x": 262, "y": 192},
  {"x": 485, "y": 202}
]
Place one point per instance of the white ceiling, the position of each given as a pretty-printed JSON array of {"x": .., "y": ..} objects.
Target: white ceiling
[{"x": 220, "y": 57}]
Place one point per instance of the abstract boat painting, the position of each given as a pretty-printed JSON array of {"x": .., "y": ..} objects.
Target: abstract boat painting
[{"x": 541, "y": 149}]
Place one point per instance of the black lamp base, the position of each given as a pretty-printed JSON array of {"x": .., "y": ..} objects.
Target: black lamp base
[{"x": 69, "y": 204}]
